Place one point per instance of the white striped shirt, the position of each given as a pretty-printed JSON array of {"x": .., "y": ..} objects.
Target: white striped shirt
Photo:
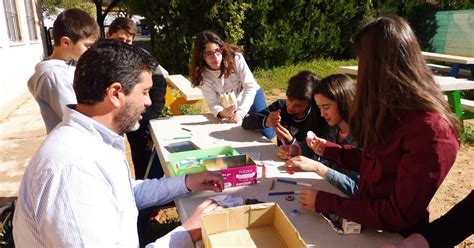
[{"x": 77, "y": 192}]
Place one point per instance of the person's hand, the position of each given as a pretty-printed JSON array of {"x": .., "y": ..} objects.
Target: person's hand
[
  {"x": 273, "y": 118},
  {"x": 193, "y": 223},
  {"x": 208, "y": 180},
  {"x": 228, "y": 112},
  {"x": 308, "y": 199},
  {"x": 282, "y": 133},
  {"x": 235, "y": 118},
  {"x": 282, "y": 152},
  {"x": 415, "y": 240},
  {"x": 306, "y": 164},
  {"x": 317, "y": 144}
]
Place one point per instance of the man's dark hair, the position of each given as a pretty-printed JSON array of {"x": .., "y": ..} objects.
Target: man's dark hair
[
  {"x": 301, "y": 85},
  {"x": 106, "y": 62},
  {"x": 74, "y": 24}
]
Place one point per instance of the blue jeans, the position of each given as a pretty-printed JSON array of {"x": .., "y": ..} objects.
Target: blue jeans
[{"x": 258, "y": 105}]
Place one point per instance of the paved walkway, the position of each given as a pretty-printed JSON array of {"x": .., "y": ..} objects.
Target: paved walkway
[{"x": 20, "y": 136}]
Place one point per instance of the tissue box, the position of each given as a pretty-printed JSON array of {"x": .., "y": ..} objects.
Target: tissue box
[
  {"x": 258, "y": 225},
  {"x": 237, "y": 170}
]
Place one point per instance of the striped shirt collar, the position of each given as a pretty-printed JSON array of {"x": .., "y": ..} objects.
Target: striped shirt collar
[{"x": 78, "y": 120}]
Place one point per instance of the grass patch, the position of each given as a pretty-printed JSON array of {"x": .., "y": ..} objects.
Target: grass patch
[
  {"x": 190, "y": 109},
  {"x": 277, "y": 78},
  {"x": 468, "y": 134}
]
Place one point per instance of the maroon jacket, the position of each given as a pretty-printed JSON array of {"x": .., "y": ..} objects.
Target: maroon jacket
[{"x": 397, "y": 180}]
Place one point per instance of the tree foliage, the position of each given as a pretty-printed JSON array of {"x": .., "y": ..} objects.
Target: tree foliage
[
  {"x": 276, "y": 32},
  {"x": 97, "y": 8},
  {"x": 53, "y": 7}
]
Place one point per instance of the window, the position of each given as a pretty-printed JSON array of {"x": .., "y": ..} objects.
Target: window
[
  {"x": 30, "y": 20},
  {"x": 13, "y": 25}
]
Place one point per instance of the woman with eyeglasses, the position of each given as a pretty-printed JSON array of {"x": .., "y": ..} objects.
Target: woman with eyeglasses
[{"x": 228, "y": 86}]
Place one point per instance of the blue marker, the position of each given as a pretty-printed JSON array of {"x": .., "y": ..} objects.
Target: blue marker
[
  {"x": 282, "y": 180},
  {"x": 284, "y": 193}
]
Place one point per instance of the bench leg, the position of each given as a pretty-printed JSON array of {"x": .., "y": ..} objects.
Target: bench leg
[
  {"x": 454, "y": 70},
  {"x": 456, "y": 67},
  {"x": 454, "y": 100}
]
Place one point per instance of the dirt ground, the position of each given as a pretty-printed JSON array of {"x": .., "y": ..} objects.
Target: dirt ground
[{"x": 454, "y": 188}]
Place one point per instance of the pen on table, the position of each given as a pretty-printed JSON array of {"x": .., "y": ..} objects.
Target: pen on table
[
  {"x": 281, "y": 180},
  {"x": 271, "y": 185},
  {"x": 284, "y": 193},
  {"x": 181, "y": 137},
  {"x": 185, "y": 129}
]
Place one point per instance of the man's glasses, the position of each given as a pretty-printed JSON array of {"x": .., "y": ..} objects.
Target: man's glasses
[{"x": 217, "y": 51}]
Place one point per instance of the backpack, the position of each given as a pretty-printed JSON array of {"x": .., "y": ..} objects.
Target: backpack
[{"x": 6, "y": 221}]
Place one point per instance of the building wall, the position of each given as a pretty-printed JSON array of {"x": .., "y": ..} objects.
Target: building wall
[{"x": 17, "y": 60}]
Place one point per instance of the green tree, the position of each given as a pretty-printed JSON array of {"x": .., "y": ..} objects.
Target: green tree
[
  {"x": 53, "y": 7},
  {"x": 98, "y": 8},
  {"x": 277, "y": 32}
]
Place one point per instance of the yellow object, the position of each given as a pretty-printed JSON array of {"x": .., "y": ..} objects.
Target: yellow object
[{"x": 186, "y": 93}]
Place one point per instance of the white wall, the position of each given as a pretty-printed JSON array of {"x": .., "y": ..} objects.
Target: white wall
[{"x": 17, "y": 61}]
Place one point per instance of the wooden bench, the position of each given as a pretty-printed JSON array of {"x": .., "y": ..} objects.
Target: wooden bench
[
  {"x": 451, "y": 87},
  {"x": 446, "y": 70},
  {"x": 187, "y": 93},
  {"x": 458, "y": 63},
  {"x": 352, "y": 70}
]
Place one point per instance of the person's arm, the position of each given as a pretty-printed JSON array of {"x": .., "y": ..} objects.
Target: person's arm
[
  {"x": 257, "y": 120},
  {"x": 348, "y": 185},
  {"x": 250, "y": 85},
  {"x": 58, "y": 92},
  {"x": 346, "y": 156},
  {"x": 428, "y": 152},
  {"x": 190, "y": 230},
  {"x": 153, "y": 192},
  {"x": 178, "y": 237}
]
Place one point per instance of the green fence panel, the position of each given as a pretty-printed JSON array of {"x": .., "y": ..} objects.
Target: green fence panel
[{"x": 455, "y": 33}]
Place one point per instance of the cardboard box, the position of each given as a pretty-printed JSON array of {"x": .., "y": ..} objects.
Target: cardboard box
[
  {"x": 236, "y": 170},
  {"x": 258, "y": 225},
  {"x": 179, "y": 157}
]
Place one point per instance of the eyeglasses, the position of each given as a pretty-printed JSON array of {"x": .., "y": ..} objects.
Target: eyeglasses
[{"x": 217, "y": 51}]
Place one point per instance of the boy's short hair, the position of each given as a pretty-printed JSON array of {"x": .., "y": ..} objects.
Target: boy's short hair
[
  {"x": 301, "y": 85},
  {"x": 123, "y": 23},
  {"x": 74, "y": 24}
]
